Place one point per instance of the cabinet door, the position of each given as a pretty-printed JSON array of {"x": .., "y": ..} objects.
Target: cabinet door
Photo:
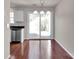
[
  {"x": 18, "y": 35},
  {"x": 13, "y": 35}
]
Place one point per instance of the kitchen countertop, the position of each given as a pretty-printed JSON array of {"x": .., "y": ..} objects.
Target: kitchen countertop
[{"x": 16, "y": 26}]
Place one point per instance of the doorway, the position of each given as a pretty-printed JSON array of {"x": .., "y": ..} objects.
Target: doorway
[{"x": 39, "y": 24}]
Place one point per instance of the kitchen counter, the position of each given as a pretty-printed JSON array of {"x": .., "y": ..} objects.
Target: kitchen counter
[
  {"x": 17, "y": 31},
  {"x": 16, "y": 27}
]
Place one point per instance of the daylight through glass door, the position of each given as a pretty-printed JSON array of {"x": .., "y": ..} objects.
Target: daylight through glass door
[{"x": 39, "y": 24}]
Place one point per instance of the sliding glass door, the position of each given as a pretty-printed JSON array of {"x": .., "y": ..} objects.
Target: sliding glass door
[{"x": 39, "y": 24}]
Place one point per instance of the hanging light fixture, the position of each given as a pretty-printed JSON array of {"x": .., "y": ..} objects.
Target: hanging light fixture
[{"x": 42, "y": 2}]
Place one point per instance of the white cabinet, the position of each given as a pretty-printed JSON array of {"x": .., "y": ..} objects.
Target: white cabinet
[{"x": 18, "y": 15}]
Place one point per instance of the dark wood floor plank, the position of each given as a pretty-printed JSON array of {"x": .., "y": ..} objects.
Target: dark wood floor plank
[
  {"x": 38, "y": 49},
  {"x": 58, "y": 52}
]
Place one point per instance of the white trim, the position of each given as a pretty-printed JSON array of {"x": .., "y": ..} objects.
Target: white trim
[
  {"x": 22, "y": 35},
  {"x": 36, "y": 38},
  {"x": 8, "y": 57},
  {"x": 64, "y": 48}
]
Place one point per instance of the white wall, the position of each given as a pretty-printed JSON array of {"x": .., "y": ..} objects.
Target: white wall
[
  {"x": 64, "y": 24},
  {"x": 6, "y": 30}
]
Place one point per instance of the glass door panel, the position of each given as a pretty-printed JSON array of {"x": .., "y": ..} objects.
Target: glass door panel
[
  {"x": 45, "y": 23},
  {"x": 39, "y": 24},
  {"x": 34, "y": 25}
]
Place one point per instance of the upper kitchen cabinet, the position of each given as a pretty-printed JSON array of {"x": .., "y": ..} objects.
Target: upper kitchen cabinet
[{"x": 18, "y": 16}]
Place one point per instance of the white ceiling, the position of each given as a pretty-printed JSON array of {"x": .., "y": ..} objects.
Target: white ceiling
[{"x": 34, "y": 2}]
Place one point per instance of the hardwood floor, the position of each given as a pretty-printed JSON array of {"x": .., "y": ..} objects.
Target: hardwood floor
[{"x": 38, "y": 49}]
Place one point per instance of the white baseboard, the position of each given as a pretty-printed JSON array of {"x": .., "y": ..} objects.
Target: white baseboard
[
  {"x": 64, "y": 48},
  {"x": 8, "y": 57}
]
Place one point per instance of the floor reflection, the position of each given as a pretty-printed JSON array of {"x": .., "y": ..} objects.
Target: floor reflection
[
  {"x": 34, "y": 49},
  {"x": 45, "y": 49},
  {"x": 12, "y": 57},
  {"x": 15, "y": 51},
  {"x": 22, "y": 49},
  {"x": 38, "y": 49}
]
